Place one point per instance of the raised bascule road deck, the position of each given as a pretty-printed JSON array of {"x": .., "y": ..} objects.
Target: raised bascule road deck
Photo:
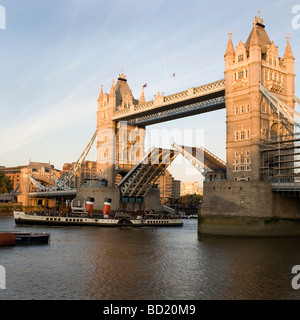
[{"x": 139, "y": 180}]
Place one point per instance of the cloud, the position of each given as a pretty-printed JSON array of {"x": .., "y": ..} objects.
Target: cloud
[{"x": 35, "y": 127}]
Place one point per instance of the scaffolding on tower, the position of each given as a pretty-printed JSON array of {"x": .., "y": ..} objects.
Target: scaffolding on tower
[{"x": 280, "y": 154}]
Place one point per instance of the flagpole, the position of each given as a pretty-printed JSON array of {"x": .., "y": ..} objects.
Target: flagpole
[{"x": 174, "y": 83}]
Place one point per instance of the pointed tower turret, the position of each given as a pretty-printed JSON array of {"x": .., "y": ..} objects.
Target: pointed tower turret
[
  {"x": 100, "y": 98},
  {"x": 112, "y": 95},
  {"x": 288, "y": 60},
  {"x": 229, "y": 56},
  {"x": 288, "y": 54},
  {"x": 112, "y": 92},
  {"x": 142, "y": 98},
  {"x": 230, "y": 48}
]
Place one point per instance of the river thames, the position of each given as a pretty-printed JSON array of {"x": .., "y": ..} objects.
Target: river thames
[{"x": 149, "y": 263}]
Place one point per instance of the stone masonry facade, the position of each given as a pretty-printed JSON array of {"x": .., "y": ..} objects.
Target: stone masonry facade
[{"x": 249, "y": 118}]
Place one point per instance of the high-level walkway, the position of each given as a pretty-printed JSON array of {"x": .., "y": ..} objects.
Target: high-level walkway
[{"x": 205, "y": 98}]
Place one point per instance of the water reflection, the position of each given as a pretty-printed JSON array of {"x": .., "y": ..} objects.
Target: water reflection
[
  {"x": 249, "y": 268},
  {"x": 148, "y": 263}
]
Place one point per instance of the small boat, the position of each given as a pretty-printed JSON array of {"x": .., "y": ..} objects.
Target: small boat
[
  {"x": 7, "y": 239},
  {"x": 193, "y": 216},
  {"x": 32, "y": 238},
  {"x": 12, "y": 237}
]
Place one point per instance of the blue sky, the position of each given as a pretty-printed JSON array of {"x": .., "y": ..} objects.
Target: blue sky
[{"x": 55, "y": 54}]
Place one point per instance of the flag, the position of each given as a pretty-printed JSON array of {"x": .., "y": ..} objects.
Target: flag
[{"x": 145, "y": 85}]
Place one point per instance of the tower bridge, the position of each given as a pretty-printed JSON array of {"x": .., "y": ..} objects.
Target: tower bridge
[
  {"x": 258, "y": 93},
  {"x": 262, "y": 151}
]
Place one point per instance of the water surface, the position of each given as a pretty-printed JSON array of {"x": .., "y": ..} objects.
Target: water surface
[{"x": 147, "y": 263}]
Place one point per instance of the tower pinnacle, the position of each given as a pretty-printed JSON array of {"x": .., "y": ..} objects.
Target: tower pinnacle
[
  {"x": 258, "y": 20},
  {"x": 122, "y": 76},
  {"x": 288, "y": 51},
  {"x": 230, "y": 48},
  {"x": 112, "y": 92},
  {"x": 142, "y": 98},
  {"x": 101, "y": 92}
]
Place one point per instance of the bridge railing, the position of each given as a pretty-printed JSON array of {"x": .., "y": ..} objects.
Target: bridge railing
[
  {"x": 177, "y": 96},
  {"x": 161, "y": 100}
]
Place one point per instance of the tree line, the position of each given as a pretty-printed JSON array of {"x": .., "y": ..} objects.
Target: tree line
[
  {"x": 190, "y": 200},
  {"x": 5, "y": 183},
  {"x": 187, "y": 201}
]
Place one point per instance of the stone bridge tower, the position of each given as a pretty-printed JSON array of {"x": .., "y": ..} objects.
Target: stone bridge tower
[
  {"x": 245, "y": 203},
  {"x": 119, "y": 145},
  {"x": 249, "y": 118}
]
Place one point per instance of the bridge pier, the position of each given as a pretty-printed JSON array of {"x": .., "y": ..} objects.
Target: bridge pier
[
  {"x": 248, "y": 208},
  {"x": 28, "y": 201},
  {"x": 151, "y": 201}
]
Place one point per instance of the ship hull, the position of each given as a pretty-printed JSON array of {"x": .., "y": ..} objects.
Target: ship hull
[{"x": 28, "y": 219}]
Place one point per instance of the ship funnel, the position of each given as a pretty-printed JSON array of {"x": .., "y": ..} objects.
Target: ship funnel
[
  {"x": 106, "y": 206},
  {"x": 89, "y": 205}
]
